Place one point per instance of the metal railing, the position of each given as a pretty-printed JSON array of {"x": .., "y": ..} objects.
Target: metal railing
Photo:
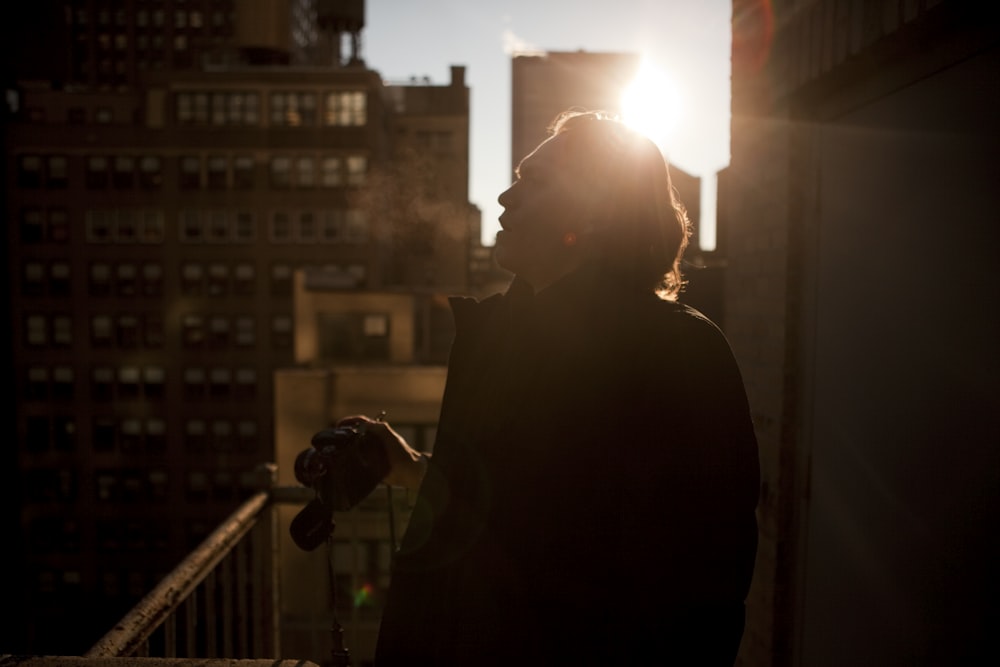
[{"x": 221, "y": 600}]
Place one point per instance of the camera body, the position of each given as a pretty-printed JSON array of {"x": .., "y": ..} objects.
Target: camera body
[{"x": 343, "y": 465}]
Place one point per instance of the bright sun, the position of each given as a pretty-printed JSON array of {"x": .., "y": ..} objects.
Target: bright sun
[{"x": 651, "y": 104}]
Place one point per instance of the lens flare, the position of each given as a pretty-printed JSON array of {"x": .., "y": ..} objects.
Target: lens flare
[
  {"x": 651, "y": 104},
  {"x": 363, "y": 596}
]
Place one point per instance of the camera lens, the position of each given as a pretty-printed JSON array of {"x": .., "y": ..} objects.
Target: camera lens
[{"x": 306, "y": 465}]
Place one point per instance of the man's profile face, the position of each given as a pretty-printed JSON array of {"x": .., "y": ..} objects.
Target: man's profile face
[{"x": 545, "y": 216}]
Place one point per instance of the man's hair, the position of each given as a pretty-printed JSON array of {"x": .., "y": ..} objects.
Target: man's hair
[{"x": 640, "y": 225}]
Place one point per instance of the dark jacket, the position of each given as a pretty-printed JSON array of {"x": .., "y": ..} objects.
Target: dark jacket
[{"x": 592, "y": 490}]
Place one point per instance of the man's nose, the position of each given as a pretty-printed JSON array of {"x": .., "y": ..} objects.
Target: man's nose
[{"x": 506, "y": 199}]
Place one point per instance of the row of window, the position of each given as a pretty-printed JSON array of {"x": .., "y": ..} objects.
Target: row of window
[
  {"x": 146, "y": 279},
  {"x": 132, "y": 331},
  {"x": 285, "y": 108},
  {"x": 134, "y": 382},
  {"x": 137, "y": 485},
  {"x": 133, "y": 436},
  {"x": 194, "y": 172}
]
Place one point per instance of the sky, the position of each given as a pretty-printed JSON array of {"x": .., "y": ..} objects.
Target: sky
[{"x": 686, "y": 43}]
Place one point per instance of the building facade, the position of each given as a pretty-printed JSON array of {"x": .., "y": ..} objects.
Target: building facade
[
  {"x": 166, "y": 175},
  {"x": 861, "y": 212}
]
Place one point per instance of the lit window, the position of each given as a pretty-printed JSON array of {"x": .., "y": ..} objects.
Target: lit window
[
  {"x": 305, "y": 172},
  {"x": 244, "y": 279},
  {"x": 357, "y": 167},
  {"x": 32, "y": 226},
  {"x": 356, "y": 226},
  {"x": 345, "y": 108},
  {"x": 281, "y": 172},
  {"x": 192, "y": 278},
  {"x": 30, "y": 171},
  {"x": 331, "y": 172}
]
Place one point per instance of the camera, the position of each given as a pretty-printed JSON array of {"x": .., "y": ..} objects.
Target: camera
[{"x": 343, "y": 465}]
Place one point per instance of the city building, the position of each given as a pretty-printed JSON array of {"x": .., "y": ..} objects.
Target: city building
[
  {"x": 169, "y": 167},
  {"x": 861, "y": 215}
]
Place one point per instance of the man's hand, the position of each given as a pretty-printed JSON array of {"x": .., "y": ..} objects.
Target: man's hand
[{"x": 406, "y": 465}]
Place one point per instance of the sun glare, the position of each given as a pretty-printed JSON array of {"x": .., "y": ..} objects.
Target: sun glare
[{"x": 651, "y": 104}]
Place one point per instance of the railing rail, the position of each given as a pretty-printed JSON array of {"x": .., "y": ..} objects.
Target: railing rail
[{"x": 196, "y": 589}]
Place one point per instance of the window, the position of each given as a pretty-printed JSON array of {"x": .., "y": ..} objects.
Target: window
[
  {"x": 36, "y": 330},
  {"x": 192, "y": 279},
  {"x": 246, "y": 332},
  {"x": 243, "y": 172},
  {"x": 152, "y": 279},
  {"x": 357, "y": 167},
  {"x": 97, "y": 172},
  {"x": 293, "y": 109},
  {"x": 191, "y": 227},
  {"x": 127, "y": 226},
  {"x": 218, "y": 279},
  {"x": 128, "y": 331},
  {"x": 193, "y": 330},
  {"x": 195, "y": 436},
  {"x": 126, "y": 280},
  {"x": 246, "y": 383},
  {"x": 102, "y": 383},
  {"x": 152, "y": 227},
  {"x": 218, "y": 331},
  {"x": 63, "y": 383},
  {"x": 153, "y": 381},
  {"x": 218, "y": 171},
  {"x": 194, "y": 383},
  {"x": 32, "y": 225},
  {"x": 331, "y": 172},
  {"x": 281, "y": 227},
  {"x": 150, "y": 172},
  {"x": 33, "y": 279},
  {"x": 305, "y": 172},
  {"x": 246, "y": 227},
  {"x": 220, "y": 382},
  {"x": 308, "y": 231},
  {"x": 36, "y": 384},
  {"x": 62, "y": 331},
  {"x": 354, "y": 336},
  {"x": 58, "y": 171},
  {"x": 222, "y": 436},
  {"x": 346, "y": 108},
  {"x": 356, "y": 227},
  {"x": 29, "y": 174},
  {"x": 58, "y": 231},
  {"x": 124, "y": 172},
  {"x": 244, "y": 279},
  {"x": 128, "y": 382},
  {"x": 281, "y": 331},
  {"x": 247, "y": 440},
  {"x": 281, "y": 172},
  {"x": 281, "y": 280},
  {"x": 152, "y": 330},
  {"x": 100, "y": 226},
  {"x": 59, "y": 278},
  {"x": 190, "y": 172}
]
